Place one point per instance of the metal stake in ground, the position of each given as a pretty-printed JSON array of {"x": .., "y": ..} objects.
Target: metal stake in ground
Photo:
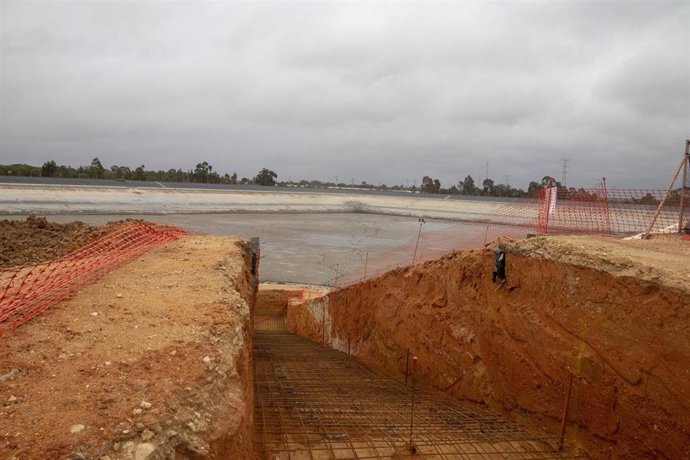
[
  {"x": 366, "y": 261},
  {"x": 564, "y": 417},
  {"x": 411, "y": 446},
  {"x": 323, "y": 324},
  {"x": 414, "y": 256}
]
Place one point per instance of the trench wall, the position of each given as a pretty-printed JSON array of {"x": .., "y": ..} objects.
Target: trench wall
[
  {"x": 235, "y": 434},
  {"x": 511, "y": 348}
]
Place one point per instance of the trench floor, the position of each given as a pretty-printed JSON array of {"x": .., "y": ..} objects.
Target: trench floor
[{"x": 313, "y": 402}]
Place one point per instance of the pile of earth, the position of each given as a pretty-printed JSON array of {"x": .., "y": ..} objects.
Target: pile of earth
[{"x": 36, "y": 240}]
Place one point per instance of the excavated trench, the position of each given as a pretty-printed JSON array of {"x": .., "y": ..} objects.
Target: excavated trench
[
  {"x": 621, "y": 343},
  {"x": 313, "y": 402},
  {"x": 606, "y": 338}
]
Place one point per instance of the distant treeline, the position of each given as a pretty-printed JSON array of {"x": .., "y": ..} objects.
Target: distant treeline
[
  {"x": 202, "y": 173},
  {"x": 205, "y": 174}
]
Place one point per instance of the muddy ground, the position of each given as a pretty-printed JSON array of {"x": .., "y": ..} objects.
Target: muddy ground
[
  {"x": 613, "y": 313},
  {"x": 151, "y": 360}
]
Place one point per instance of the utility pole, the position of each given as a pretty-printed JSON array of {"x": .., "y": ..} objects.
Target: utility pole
[
  {"x": 507, "y": 176},
  {"x": 486, "y": 175},
  {"x": 565, "y": 170}
]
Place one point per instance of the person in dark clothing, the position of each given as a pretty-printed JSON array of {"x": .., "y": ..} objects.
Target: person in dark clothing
[{"x": 499, "y": 266}]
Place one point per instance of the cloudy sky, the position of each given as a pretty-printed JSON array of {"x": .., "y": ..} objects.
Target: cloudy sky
[{"x": 381, "y": 92}]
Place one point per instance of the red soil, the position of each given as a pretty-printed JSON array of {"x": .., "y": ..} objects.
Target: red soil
[
  {"x": 36, "y": 240},
  {"x": 154, "y": 358},
  {"x": 626, "y": 339}
]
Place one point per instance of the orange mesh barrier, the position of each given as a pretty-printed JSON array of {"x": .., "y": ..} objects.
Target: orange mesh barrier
[
  {"x": 594, "y": 210},
  {"x": 28, "y": 290}
]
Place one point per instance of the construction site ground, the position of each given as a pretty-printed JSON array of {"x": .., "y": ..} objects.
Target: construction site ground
[
  {"x": 138, "y": 361},
  {"x": 661, "y": 259},
  {"x": 141, "y": 362},
  {"x": 313, "y": 402},
  {"x": 36, "y": 239}
]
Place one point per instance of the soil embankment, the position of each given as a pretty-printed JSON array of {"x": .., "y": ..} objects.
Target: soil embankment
[
  {"x": 152, "y": 361},
  {"x": 618, "y": 321},
  {"x": 35, "y": 240},
  {"x": 273, "y": 299}
]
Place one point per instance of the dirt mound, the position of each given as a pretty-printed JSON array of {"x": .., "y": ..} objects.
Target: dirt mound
[
  {"x": 36, "y": 240},
  {"x": 151, "y": 361},
  {"x": 661, "y": 259}
]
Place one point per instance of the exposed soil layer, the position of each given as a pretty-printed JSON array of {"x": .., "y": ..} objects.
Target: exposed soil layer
[
  {"x": 274, "y": 298},
  {"x": 36, "y": 240},
  {"x": 615, "y": 314},
  {"x": 151, "y": 361},
  {"x": 661, "y": 259}
]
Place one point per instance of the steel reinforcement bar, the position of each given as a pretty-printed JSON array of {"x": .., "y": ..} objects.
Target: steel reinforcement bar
[
  {"x": 27, "y": 291},
  {"x": 313, "y": 402}
]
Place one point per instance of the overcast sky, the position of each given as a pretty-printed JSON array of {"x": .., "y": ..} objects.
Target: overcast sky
[{"x": 381, "y": 92}]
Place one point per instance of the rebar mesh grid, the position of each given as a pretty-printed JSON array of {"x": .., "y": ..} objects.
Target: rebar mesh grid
[
  {"x": 269, "y": 323},
  {"x": 313, "y": 402}
]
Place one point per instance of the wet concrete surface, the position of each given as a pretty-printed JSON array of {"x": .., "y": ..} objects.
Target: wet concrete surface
[{"x": 298, "y": 248}]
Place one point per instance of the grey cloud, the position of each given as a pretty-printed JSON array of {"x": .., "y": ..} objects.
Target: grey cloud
[{"x": 379, "y": 92}]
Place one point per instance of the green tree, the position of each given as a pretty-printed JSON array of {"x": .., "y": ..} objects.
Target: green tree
[
  {"x": 49, "y": 169},
  {"x": 140, "y": 173},
  {"x": 648, "y": 199},
  {"x": 427, "y": 185},
  {"x": 430, "y": 185},
  {"x": 532, "y": 188},
  {"x": 97, "y": 169},
  {"x": 266, "y": 177},
  {"x": 202, "y": 172},
  {"x": 467, "y": 186},
  {"x": 488, "y": 186}
]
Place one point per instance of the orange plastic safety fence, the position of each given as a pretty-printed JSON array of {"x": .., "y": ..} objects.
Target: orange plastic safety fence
[
  {"x": 609, "y": 211},
  {"x": 27, "y": 291},
  {"x": 593, "y": 210}
]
